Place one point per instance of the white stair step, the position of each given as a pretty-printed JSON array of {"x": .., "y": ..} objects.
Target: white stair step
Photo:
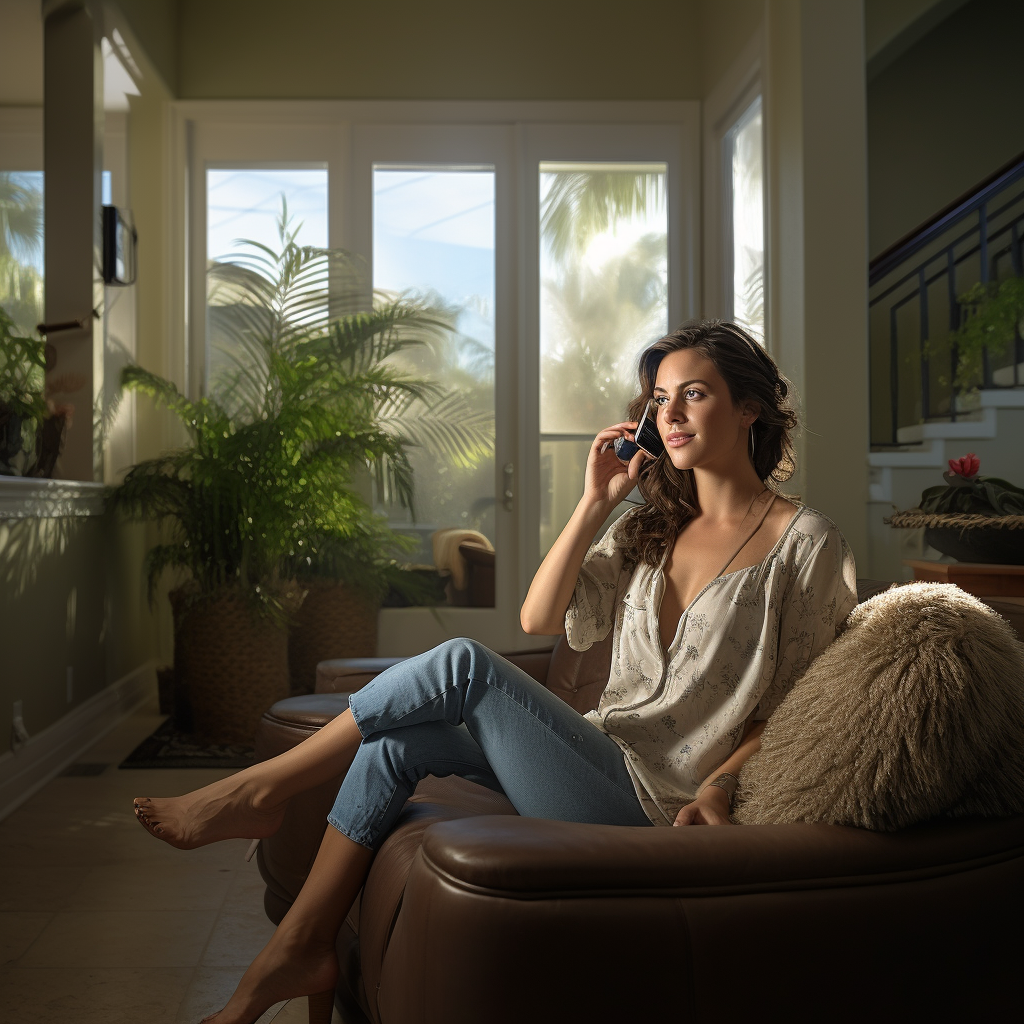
[
  {"x": 931, "y": 453},
  {"x": 978, "y": 427},
  {"x": 1003, "y": 398}
]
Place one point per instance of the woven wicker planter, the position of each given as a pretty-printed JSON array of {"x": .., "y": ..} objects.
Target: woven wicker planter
[
  {"x": 968, "y": 537},
  {"x": 232, "y": 662},
  {"x": 334, "y": 621}
]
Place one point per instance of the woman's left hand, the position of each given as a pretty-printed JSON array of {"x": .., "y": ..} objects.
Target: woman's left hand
[{"x": 710, "y": 808}]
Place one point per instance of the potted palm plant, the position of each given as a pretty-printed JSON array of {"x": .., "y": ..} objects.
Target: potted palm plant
[
  {"x": 261, "y": 302},
  {"x": 266, "y": 493}
]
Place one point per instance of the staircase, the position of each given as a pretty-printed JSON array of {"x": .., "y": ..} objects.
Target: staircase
[{"x": 919, "y": 418}]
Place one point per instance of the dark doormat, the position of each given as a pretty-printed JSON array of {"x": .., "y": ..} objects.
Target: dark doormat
[{"x": 169, "y": 748}]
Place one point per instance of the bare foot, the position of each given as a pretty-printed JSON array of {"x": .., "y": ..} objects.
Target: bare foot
[
  {"x": 288, "y": 966},
  {"x": 233, "y": 808}
]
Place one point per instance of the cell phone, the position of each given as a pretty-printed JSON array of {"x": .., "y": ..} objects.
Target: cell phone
[{"x": 647, "y": 438}]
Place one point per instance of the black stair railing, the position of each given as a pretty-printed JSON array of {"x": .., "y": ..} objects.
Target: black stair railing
[{"x": 914, "y": 311}]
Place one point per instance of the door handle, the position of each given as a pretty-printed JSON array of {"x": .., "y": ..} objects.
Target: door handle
[{"x": 509, "y": 493}]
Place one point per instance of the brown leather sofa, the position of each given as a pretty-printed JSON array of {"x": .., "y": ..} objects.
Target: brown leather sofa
[{"x": 474, "y": 915}]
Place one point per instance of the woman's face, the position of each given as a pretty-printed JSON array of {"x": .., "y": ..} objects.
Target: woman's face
[{"x": 698, "y": 422}]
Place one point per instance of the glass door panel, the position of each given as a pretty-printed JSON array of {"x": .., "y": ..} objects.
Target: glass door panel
[
  {"x": 433, "y": 245},
  {"x": 21, "y": 248},
  {"x": 603, "y": 235},
  {"x": 246, "y": 208},
  {"x": 745, "y": 152},
  {"x": 21, "y": 299}
]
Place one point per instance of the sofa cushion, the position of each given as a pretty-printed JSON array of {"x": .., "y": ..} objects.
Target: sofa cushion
[
  {"x": 579, "y": 677},
  {"x": 346, "y": 675},
  {"x": 916, "y": 710}
]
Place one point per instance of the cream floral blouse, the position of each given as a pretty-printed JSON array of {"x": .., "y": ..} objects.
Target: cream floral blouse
[{"x": 738, "y": 648}]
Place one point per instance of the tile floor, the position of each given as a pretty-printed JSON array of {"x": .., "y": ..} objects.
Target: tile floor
[{"x": 101, "y": 924}]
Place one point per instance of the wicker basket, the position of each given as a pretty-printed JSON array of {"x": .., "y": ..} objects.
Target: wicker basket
[
  {"x": 968, "y": 537},
  {"x": 233, "y": 663},
  {"x": 334, "y": 621}
]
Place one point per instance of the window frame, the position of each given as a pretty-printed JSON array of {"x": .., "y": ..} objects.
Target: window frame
[{"x": 21, "y": 142}]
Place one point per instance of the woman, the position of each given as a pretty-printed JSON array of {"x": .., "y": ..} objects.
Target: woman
[{"x": 718, "y": 591}]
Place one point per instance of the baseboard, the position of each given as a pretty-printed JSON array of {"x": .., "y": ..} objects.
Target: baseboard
[{"x": 51, "y": 751}]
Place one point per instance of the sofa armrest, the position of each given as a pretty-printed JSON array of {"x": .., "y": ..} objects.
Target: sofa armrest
[
  {"x": 724, "y": 925},
  {"x": 534, "y": 857}
]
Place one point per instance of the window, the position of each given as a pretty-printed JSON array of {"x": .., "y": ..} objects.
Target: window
[
  {"x": 248, "y": 207},
  {"x": 745, "y": 170},
  {"x": 24, "y": 448},
  {"x": 604, "y": 298},
  {"x": 76, "y": 409},
  {"x": 433, "y": 243},
  {"x": 21, "y": 247}
]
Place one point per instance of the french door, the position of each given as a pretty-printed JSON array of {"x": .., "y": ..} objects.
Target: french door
[
  {"x": 544, "y": 327},
  {"x": 440, "y": 197}
]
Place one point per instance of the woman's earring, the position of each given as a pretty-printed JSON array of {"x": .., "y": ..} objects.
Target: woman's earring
[{"x": 751, "y": 442}]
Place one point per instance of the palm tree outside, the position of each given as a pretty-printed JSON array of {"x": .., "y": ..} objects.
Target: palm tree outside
[
  {"x": 21, "y": 247},
  {"x": 604, "y": 256}
]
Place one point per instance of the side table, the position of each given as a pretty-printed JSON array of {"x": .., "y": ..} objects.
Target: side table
[{"x": 999, "y": 586}]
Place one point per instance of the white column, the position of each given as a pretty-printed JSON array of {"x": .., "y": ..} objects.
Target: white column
[
  {"x": 816, "y": 161},
  {"x": 73, "y": 166}
]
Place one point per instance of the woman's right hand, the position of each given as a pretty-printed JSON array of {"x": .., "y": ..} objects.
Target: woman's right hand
[{"x": 608, "y": 480}]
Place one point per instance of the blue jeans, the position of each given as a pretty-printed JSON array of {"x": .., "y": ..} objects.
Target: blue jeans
[{"x": 462, "y": 710}]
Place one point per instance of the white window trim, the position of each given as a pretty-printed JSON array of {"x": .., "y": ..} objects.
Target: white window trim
[
  {"x": 34, "y": 498},
  {"x": 727, "y": 102}
]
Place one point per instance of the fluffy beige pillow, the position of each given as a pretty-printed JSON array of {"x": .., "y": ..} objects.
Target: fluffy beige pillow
[{"x": 916, "y": 710}]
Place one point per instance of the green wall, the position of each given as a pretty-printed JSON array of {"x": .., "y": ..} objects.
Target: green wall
[
  {"x": 449, "y": 49},
  {"x": 72, "y": 591},
  {"x": 944, "y": 116},
  {"x": 72, "y": 594},
  {"x": 155, "y": 26},
  {"x": 726, "y": 27}
]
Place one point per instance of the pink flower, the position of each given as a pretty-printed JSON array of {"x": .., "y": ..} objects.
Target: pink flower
[{"x": 967, "y": 467}]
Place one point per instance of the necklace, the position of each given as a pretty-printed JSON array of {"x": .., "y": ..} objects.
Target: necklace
[
  {"x": 753, "y": 499},
  {"x": 750, "y": 533}
]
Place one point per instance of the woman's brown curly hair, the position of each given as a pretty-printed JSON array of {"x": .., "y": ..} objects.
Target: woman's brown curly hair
[{"x": 751, "y": 375}]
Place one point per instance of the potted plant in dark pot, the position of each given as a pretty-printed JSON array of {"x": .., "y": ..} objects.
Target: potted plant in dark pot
[
  {"x": 31, "y": 427},
  {"x": 972, "y": 518},
  {"x": 229, "y": 502}
]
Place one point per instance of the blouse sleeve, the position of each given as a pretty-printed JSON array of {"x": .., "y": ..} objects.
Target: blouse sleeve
[
  {"x": 815, "y": 605},
  {"x": 591, "y": 612}
]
